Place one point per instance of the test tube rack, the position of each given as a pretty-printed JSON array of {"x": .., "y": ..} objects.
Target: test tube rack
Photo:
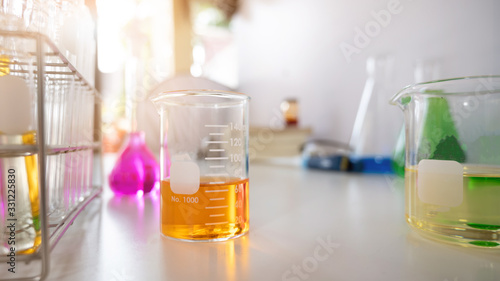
[{"x": 61, "y": 140}]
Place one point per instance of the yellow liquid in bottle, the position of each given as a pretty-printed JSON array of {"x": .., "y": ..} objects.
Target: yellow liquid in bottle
[{"x": 217, "y": 211}]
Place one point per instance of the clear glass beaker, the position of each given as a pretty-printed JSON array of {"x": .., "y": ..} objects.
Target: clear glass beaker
[
  {"x": 204, "y": 164},
  {"x": 452, "y": 173}
]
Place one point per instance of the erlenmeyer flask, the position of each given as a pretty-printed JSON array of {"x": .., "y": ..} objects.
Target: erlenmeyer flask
[
  {"x": 377, "y": 125},
  {"x": 136, "y": 170}
]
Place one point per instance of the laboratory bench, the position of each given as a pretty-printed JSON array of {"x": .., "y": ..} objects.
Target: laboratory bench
[{"x": 304, "y": 225}]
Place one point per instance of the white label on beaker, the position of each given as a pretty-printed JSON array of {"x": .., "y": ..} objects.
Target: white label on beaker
[
  {"x": 440, "y": 182},
  {"x": 184, "y": 176}
]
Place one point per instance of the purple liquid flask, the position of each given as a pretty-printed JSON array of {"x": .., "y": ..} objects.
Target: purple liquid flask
[{"x": 136, "y": 170}]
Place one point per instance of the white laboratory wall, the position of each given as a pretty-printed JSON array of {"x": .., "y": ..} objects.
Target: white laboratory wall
[{"x": 292, "y": 48}]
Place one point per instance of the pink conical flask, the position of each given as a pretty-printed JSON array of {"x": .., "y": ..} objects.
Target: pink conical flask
[{"x": 136, "y": 171}]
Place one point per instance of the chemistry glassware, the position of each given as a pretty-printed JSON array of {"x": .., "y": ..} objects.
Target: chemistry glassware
[
  {"x": 52, "y": 146},
  {"x": 425, "y": 70},
  {"x": 19, "y": 206},
  {"x": 204, "y": 164},
  {"x": 376, "y": 127},
  {"x": 452, "y": 173},
  {"x": 136, "y": 170},
  {"x": 290, "y": 110}
]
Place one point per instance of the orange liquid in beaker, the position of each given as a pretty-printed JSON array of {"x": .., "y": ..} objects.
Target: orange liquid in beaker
[{"x": 217, "y": 211}]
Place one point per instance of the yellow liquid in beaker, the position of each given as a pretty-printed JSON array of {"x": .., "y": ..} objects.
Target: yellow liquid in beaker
[
  {"x": 217, "y": 211},
  {"x": 476, "y": 221}
]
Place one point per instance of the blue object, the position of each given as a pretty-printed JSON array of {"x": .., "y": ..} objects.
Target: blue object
[
  {"x": 332, "y": 163},
  {"x": 334, "y": 156},
  {"x": 374, "y": 165}
]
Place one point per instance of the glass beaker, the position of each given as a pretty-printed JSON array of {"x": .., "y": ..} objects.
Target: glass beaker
[
  {"x": 452, "y": 173},
  {"x": 425, "y": 70},
  {"x": 203, "y": 164}
]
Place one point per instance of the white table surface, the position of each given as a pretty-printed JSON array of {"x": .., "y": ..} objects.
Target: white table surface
[{"x": 294, "y": 213}]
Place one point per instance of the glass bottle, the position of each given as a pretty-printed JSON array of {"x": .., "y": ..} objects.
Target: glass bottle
[{"x": 290, "y": 111}]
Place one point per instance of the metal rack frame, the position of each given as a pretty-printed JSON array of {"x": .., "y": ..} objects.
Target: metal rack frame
[{"x": 51, "y": 234}]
